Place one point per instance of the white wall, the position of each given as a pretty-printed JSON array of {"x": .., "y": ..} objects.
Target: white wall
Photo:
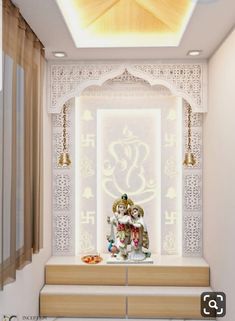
[
  {"x": 219, "y": 173},
  {"x": 21, "y": 297}
]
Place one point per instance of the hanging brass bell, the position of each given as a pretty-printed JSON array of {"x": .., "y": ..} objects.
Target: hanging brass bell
[
  {"x": 64, "y": 159},
  {"x": 189, "y": 159}
]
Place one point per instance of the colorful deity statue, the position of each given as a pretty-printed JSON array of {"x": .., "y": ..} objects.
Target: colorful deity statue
[
  {"x": 138, "y": 234},
  {"x": 119, "y": 237},
  {"x": 129, "y": 235}
]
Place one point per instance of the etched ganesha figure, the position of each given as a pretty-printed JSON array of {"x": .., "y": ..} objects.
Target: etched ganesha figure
[
  {"x": 124, "y": 170},
  {"x": 127, "y": 230}
]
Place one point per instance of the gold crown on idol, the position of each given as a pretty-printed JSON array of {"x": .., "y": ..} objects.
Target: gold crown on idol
[
  {"x": 124, "y": 200},
  {"x": 139, "y": 208}
]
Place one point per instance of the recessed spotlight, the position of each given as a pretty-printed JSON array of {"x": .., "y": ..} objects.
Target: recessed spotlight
[
  {"x": 59, "y": 54},
  {"x": 194, "y": 53}
]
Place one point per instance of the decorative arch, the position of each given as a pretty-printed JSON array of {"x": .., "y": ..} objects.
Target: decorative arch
[
  {"x": 184, "y": 80},
  {"x": 68, "y": 80}
]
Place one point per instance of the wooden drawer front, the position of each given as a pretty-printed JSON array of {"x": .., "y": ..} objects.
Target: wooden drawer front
[
  {"x": 164, "y": 307},
  {"x": 55, "y": 305},
  {"x": 90, "y": 275},
  {"x": 169, "y": 276}
]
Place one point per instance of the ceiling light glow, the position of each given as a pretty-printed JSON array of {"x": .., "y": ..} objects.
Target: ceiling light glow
[
  {"x": 194, "y": 53},
  {"x": 122, "y": 23},
  {"x": 59, "y": 54}
]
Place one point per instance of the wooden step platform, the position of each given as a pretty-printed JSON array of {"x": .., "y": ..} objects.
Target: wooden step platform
[
  {"x": 166, "y": 271},
  {"x": 121, "y": 301},
  {"x": 168, "y": 288}
]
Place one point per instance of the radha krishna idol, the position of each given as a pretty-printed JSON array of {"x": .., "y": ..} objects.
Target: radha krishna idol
[
  {"x": 127, "y": 228},
  {"x": 119, "y": 237}
]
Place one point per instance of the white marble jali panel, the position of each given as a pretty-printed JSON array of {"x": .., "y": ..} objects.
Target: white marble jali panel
[
  {"x": 192, "y": 189},
  {"x": 63, "y": 186}
]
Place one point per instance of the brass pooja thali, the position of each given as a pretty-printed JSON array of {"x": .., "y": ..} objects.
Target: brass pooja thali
[{"x": 91, "y": 259}]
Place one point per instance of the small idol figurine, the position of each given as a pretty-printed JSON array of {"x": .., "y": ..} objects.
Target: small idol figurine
[
  {"x": 120, "y": 222},
  {"x": 138, "y": 234}
]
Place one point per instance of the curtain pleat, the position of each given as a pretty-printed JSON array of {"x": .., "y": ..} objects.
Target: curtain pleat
[{"x": 21, "y": 233}]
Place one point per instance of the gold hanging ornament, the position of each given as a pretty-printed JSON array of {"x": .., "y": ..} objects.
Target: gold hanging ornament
[
  {"x": 64, "y": 159},
  {"x": 189, "y": 159}
]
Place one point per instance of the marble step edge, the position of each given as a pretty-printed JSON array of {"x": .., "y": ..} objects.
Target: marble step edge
[
  {"x": 123, "y": 290},
  {"x": 158, "y": 260}
]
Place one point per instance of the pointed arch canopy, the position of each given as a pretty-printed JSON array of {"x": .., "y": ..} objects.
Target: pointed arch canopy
[{"x": 188, "y": 81}]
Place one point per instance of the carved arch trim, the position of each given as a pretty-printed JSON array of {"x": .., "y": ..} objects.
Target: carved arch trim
[{"x": 188, "y": 81}]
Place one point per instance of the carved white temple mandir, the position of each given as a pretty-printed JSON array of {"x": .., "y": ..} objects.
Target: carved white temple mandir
[{"x": 180, "y": 232}]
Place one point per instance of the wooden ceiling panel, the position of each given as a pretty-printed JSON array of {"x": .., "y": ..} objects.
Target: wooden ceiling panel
[
  {"x": 107, "y": 23},
  {"x": 91, "y": 10},
  {"x": 127, "y": 16},
  {"x": 171, "y": 12}
]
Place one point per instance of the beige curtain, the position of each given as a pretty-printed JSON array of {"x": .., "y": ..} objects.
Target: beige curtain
[{"x": 21, "y": 150}]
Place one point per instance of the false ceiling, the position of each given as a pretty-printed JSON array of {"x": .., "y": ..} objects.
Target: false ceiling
[
  {"x": 126, "y": 23},
  {"x": 210, "y": 23}
]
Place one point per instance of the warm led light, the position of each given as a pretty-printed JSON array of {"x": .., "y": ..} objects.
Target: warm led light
[
  {"x": 194, "y": 52},
  {"x": 116, "y": 23},
  {"x": 59, "y": 54}
]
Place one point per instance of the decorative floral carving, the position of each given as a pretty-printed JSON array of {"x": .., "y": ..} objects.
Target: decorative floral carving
[
  {"x": 117, "y": 89},
  {"x": 186, "y": 79},
  {"x": 192, "y": 236},
  {"x": 192, "y": 243},
  {"x": 62, "y": 192},
  {"x": 62, "y": 234},
  {"x": 63, "y": 230},
  {"x": 192, "y": 192},
  {"x": 127, "y": 78},
  {"x": 66, "y": 78}
]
